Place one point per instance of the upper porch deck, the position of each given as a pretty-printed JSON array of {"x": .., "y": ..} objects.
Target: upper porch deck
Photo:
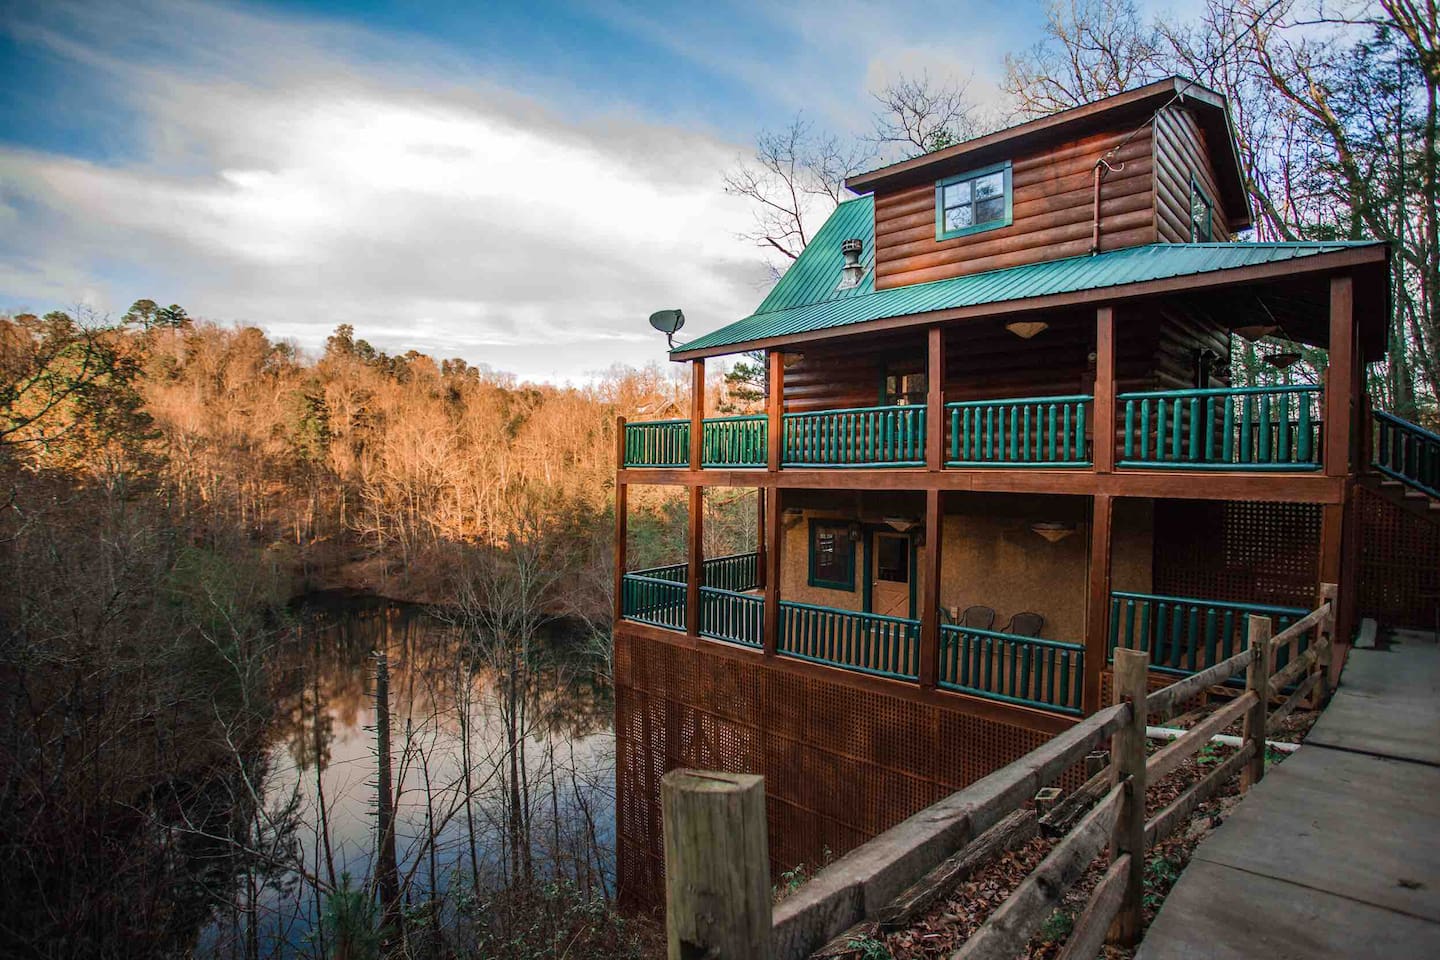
[{"x": 1238, "y": 429}]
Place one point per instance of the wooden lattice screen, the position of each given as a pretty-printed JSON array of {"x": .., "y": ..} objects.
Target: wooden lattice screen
[
  {"x": 841, "y": 763},
  {"x": 1399, "y": 563},
  {"x": 1241, "y": 551}
]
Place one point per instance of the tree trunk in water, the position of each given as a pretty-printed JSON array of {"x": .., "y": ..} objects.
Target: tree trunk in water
[{"x": 387, "y": 876}]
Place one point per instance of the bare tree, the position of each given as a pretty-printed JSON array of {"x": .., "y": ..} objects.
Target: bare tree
[
  {"x": 1092, "y": 49},
  {"x": 919, "y": 115},
  {"x": 796, "y": 174}
]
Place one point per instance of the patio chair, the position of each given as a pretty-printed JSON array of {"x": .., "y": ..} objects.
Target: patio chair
[
  {"x": 978, "y": 616},
  {"x": 1025, "y": 625}
]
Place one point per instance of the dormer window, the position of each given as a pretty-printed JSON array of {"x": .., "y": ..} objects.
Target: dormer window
[
  {"x": 973, "y": 201},
  {"x": 1202, "y": 212}
]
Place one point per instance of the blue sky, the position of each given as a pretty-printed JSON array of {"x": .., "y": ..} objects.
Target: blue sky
[{"x": 517, "y": 184}]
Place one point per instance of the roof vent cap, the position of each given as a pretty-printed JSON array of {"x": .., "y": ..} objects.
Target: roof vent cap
[{"x": 852, "y": 270}]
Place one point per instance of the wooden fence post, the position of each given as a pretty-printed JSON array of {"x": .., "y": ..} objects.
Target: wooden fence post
[
  {"x": 1257, "y": 679},
  {"x": 717, "y": 865},
  {"x": 1329, "y": 593},
  {"x": 1132, "y": 669}
]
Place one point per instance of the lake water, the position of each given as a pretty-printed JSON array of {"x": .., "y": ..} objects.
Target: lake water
[{"x": 319, "y": 786}]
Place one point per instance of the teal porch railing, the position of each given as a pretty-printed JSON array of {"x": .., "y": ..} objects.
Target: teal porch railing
[
  {"x": 1406, "y": 452},
  {"x": 653, "y": 600},
  {"x": 657, "y": 443},
  {"x": 1184, "y": 635},
  {"x": 1033, "y": 431},
  {"x": 657, "y": 596},
  {"x": 867, "y": 642},
  {"x": 738, "y": 571},
  {"x": 1000, "y": 666},
  {"x": 732, "y": 616},
  {"x": 892, "y": 436},
  {"x": 1229, "y": 428},
  {"x": 733, "y": 441}
]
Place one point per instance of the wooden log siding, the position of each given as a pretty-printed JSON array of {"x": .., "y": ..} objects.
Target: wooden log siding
[
  {"x": 1053, "y": 210},
  {"x": 1001, "y": 666},
  {"x": 984, "y": 361},
  {"x": 1226, "y": 428},
  {"x": 1180, "y": 151},
  {"x": 867, "y": 642},
  {"x": 1045, "y": 431},
  {"x": 1185, "y": 635}
]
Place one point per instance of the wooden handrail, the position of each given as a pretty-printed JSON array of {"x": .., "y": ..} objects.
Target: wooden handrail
[{"x": 863, "y": 883}]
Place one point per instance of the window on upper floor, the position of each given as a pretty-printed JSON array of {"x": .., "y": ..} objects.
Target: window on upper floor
[
  {"x": 973, "y": 201},
  {"x": 1202, "y": 213}
]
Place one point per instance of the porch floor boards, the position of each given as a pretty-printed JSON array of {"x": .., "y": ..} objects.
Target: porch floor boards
[{"x": 1336, "y": 853}]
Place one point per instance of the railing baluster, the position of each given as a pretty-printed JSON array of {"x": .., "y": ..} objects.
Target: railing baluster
[{"x": 1194, "y": 428}]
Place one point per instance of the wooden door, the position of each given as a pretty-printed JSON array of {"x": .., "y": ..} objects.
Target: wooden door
[{"x": 891, "y": 569}]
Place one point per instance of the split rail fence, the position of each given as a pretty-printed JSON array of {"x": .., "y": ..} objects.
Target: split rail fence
[{"x": 718, "y": 903}]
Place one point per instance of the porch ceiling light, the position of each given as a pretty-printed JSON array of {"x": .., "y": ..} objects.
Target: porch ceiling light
[
  {"x": 1025, "y": 329},
  {"x": 1255, "y": 331},
  {"x": 902, "y": 524},
  {"x": 1283, "y": 360},
  {"x": 1053, "y": 530}
]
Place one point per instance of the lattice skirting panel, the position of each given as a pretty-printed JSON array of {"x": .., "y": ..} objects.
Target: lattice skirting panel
[
  {"x": 1242, "y": 551},
  {"x": 1399, "y": 563},
  {"x": 841, "y": 764}
]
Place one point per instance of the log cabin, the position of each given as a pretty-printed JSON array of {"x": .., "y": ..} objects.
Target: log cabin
[{"x": 1001, "y": 438}]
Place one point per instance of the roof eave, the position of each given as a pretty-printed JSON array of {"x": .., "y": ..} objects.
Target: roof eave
[
  {"x": 913, "y": 167},
  {"x": 1374, "y": 253}
]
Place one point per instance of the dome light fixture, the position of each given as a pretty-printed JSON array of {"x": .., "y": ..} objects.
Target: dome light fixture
[{"x": 1025, "y": 329}]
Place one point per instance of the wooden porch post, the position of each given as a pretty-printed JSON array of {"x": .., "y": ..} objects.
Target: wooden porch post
[
  {"x": 774, "y": 409},
  {"x": 697, "y": 413},
  {"x": 930, "y": 594},
  {"x": 696, "y": 566},
  {"x": 621, "y": 520},
  {"x": 1097, "y": 604},
  {"x": 1340, "y": 378},
  {"x": 1330, "y": 565},
  {"x": 935, "y": 400},
  {"x": 771, "y": 631},
  {"x": 760, "y": 552},
  {"x": 1104, "y": 426}
]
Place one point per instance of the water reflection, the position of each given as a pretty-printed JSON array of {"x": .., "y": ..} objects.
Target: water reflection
[{"x": 537, "y": 788}]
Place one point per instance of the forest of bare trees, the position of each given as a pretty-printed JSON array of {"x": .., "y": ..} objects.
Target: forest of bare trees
[{"x": 166, "y": 487}]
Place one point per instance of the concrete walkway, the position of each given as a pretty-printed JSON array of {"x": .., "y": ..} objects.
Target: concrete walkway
[{"x": 1337, "y": 852}]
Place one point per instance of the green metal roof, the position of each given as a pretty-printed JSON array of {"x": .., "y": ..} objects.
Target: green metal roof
[{"x": 806, "y": 298}]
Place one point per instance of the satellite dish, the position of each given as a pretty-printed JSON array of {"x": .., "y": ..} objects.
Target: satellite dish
[{"x": 667, "y": 322}]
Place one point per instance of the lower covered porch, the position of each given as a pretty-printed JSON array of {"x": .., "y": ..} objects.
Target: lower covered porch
[{"x": 1013, "y": 614}]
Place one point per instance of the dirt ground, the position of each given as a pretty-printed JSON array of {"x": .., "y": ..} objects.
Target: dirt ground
[{"x": 948, "y": 924}]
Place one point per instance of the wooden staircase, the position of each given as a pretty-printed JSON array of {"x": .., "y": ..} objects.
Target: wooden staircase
[
  {"x": 1411, "y": 500},
  {"x": 1405, "y": 466}
]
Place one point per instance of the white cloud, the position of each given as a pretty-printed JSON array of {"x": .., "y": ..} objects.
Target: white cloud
[{"x": 285, "y": 187}]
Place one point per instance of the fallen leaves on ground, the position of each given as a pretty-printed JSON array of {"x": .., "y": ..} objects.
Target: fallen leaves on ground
[{"x": 950, "y": 923}]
